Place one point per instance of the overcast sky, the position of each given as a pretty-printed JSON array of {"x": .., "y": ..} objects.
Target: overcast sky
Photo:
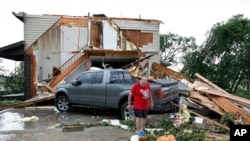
[{"x": 183, "y": 17}]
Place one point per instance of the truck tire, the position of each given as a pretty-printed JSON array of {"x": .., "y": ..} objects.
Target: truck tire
[
  {"x": 63, "y": 104},
  {"x": 126, "y": 114}
]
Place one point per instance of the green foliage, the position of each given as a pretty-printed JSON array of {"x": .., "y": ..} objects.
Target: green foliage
[
  {"x": 225, "y": 55},
  {"x": 14, "y": 82},
  {"x": 173, "y": 46},
  {"x": 227, "y": 118},
  {"x": 129, "y": 123},
  {"x": 186, "y": 132}
]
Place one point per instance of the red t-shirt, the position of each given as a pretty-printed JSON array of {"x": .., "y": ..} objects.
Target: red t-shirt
[{"x": 141, "y": 96}]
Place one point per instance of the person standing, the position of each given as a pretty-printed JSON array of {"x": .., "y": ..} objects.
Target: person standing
[{"x": 140, "y": 91}]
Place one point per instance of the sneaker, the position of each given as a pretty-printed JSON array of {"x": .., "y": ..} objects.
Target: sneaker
[
  {"x": 143, "y": 133},
  {"x": 139, "y": 134}
]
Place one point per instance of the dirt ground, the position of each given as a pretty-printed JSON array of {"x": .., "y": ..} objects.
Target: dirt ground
[{"x": 14, "y": 125}]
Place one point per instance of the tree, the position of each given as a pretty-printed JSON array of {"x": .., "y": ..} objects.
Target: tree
[
  {"x": 14, "y": 82},
  {"x": 225, "y": 55},
  {"x": 173, "y": 47}
]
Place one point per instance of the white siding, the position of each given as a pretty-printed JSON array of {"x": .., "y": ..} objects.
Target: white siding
[
  {"x": 109, "y": 36},
  {"x": 35, "y": 26}
]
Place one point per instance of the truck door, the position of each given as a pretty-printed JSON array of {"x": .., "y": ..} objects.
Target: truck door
[
  {"x": 81, "y": 93},
  {"x": 98, "y": 96}
]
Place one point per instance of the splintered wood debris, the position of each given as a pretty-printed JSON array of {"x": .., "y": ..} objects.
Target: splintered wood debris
[{"x": 203, "y": 93}]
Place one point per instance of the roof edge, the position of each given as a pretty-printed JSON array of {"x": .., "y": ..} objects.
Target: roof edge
[{"x": 19, "y": 15}]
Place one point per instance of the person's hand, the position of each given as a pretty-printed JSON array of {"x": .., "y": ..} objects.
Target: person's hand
[
  {"x": 151, "y": 105},
  {"x": 129, "y": 107}
]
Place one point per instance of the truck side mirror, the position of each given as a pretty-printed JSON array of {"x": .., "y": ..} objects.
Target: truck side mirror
[{"x": 76, "y": 83}]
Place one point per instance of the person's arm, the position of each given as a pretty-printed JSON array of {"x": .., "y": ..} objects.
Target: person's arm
[
  {"x": 129, "y": 100},
  {"x": 151, "y": 98},
  {"x": 151, "y": 101}
]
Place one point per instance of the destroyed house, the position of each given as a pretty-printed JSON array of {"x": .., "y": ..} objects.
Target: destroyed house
[{"x": 58, "y": 48}]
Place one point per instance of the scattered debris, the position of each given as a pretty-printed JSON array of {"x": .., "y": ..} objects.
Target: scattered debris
[
  {"x": 166, "y": 138},
  {"x": 134, "y": 138},
  {"x": 58, "y": 125},
  {"x": 27, "y": 119},
  {"x": 115, "y": 122},
  {"x": 72, "y": 128},
  {"x": 185, "y": 115}
]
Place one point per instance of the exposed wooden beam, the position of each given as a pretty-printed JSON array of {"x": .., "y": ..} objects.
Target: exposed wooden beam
[
  {"x": 220, "y": 92},
  {"x": 203, "y": 100},
  {"x": 49, "y": 88},
  {"x": 73, "y": 21},
  {"x": 137, "y": 61},
  {"x": 230, "y": 107},
  {"x": 112, "y": 53},
  {"x": 168, "y": 72},
  {"x": 222, "y": 102}
]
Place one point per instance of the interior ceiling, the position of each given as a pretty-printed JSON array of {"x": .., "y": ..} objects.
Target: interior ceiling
[{"x": 114, "y": 62}]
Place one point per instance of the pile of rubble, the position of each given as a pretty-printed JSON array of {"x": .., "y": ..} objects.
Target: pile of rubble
[
  {"x": 207, "y": 94},
  {"x": 204, "y": 96}
]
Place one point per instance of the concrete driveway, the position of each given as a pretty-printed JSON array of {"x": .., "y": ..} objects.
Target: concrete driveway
[{"x": 45, "y": 123}]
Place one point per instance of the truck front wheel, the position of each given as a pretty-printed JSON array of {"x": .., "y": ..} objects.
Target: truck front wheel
[
  {"x": 62, "y": 104},
  {"x": 126, "y": 114}
]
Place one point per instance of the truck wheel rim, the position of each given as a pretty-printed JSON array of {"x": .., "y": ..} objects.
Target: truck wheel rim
[
  {"x": 128, "y": 114},
  {"x": 63, "y": 104}
]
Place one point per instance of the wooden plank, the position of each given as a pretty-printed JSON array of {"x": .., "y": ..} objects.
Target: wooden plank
[
  {"x": 72, "y": 128},
  {"x": 168, "y": 72},
  {"x": 230, "y": 96},
  {"x": 112, "y": 53},
  {"x": 200, "y": 87},
  {"x": 230, "y": 107},
  {"x": 137, "y": 61},
  {"x": 202, "y": 100},
  {"x": 215, "y": 122},
  {"x": 49, "y": 88},
  {"x": 209, "y": 82},
  {"x": 222, "y": 102},
  {"x": 33, "y": 75},
  {"x": 137, "y": 37}
]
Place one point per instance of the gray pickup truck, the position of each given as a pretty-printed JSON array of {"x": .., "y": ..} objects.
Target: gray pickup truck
[{"x": 109, "y": 89}]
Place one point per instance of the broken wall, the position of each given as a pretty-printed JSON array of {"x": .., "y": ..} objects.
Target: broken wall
[
  {"x": 43, "y": 50},
  {"x": 142, "y": 35},
  {"x": 55, "y": 47}
]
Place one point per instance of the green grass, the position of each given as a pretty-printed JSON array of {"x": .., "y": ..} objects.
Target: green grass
[{"x": 8, "y": 102}]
